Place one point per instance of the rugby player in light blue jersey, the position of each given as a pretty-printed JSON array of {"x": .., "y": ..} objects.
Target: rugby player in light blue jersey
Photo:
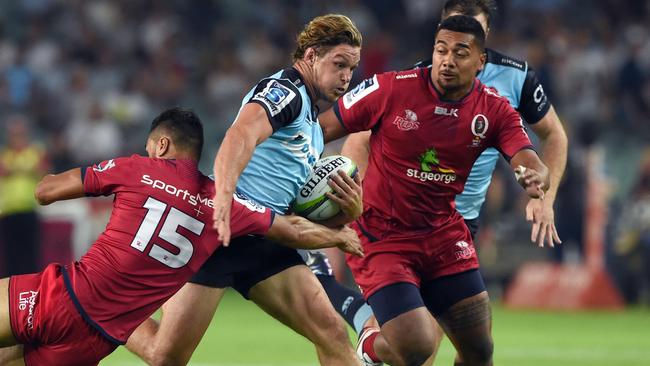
[
  {"x": 266, "y": 156},
  {"x": 516, "y": 81}
]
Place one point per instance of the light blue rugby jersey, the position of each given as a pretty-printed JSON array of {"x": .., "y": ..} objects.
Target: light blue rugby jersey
[
  {"x": 516, "y": 81},
  {"x": 281, "y": 164}
]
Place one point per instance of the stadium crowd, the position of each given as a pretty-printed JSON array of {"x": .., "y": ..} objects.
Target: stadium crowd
[{"x": 88, "y": 75}]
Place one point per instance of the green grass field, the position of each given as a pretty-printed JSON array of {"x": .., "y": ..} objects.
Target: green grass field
[{"x": 243, "y": 335}]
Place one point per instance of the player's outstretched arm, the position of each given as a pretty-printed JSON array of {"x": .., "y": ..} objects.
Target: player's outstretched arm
[
  {"x": 530, "y": 172},
  {"x": 554, "y": 154},
  {"x": 299, "y": 233},
  {"x": 331, "y": 126},
  {"x": 58, "y": 187},
  {"x": 251, "y": 128}
]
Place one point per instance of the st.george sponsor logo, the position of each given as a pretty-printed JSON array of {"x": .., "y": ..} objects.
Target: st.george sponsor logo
[
  {"x": 27, "y": 301},
  {"x": 429, "y": 160},
  {"x": 431, "y": 176},
  {"x": 194, "y": 199}
]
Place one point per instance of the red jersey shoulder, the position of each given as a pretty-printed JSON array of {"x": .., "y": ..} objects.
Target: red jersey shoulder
[{"x": 490, "y": 92}]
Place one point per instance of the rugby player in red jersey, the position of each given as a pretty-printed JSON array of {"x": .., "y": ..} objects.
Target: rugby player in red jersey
[
  {"x": 428, "y": 127},
  {"x": 159, "y": 234}
]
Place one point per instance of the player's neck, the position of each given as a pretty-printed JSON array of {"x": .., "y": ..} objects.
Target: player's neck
[
  {"x": 307, "y": 75},
  {"x": 452, "y": 95}
]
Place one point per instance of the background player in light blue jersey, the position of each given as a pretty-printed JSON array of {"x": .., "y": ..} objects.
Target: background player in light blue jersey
[
  {"x": 267, "y": 155},
  {"x": 515, "y": 80}
]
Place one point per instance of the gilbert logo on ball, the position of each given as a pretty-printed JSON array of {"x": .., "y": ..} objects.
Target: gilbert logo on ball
[{"x": 311, "y": 201}]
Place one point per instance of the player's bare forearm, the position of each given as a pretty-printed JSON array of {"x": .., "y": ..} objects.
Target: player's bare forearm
[
  {"x": 337, "y": 220},
  {"x": 299, "y": 233},
  {"x": 554, "y": 149},
  {"x": 531, "y": 173},
  {"x": 357, "y": 148},
  {"x": 58, "y": 187}
]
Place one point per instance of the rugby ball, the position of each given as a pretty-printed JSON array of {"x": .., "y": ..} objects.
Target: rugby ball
[{"x": 311, "y": 201}]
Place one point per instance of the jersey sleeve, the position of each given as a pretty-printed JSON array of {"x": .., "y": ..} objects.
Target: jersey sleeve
[
  {"x": 107, "y": 177},
  {"x": 512, "y": 136},
  {"x": 362, "y": 107},
  {"x": 248, "y": 217},
  {"x": 534, "y": 103},
  {"x": 281, "y": 100}
]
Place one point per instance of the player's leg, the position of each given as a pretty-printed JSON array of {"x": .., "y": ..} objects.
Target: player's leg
[
  {"x": 406, "y": 337},
  {"x": 12, "y": 356},
  {"x": 461, "y": 305},
  {"x": 6, "y": 334},
  {"x": 349, "y": 303},
  {"x": 296, "y": 298},
  {"x": 185, "y": 318}
]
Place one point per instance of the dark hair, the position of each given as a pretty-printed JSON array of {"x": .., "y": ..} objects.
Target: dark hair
[
  {"x": 325, "y": 32},
  {"x": 464, "y": 24},
  {"x": 470, "y": 8},
  {"x": 183, "y": 126}
]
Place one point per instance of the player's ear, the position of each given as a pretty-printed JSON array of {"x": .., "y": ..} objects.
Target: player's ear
[
  {"x": 310, "y": 56},
  {"x": 482, "y": 60},
  {"x": 162, "y": 146}
]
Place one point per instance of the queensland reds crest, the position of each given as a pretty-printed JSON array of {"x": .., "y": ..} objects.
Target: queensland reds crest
[
  {"x": 479, "y": 128},
  {"x": 408, "y": 122}
]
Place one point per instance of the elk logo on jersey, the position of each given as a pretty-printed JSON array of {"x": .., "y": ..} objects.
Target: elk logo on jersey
[
  {"x": 429, "y": 160},
  {"x": 408, "y": 122}
]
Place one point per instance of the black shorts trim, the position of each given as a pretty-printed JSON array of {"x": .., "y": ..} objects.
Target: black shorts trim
[
  {"x": 440, "y": 294},
  {"x": 245, "y": 262}
]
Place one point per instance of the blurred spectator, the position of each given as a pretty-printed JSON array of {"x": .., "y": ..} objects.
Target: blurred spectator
[
  {"x": 632, "y": 246},
  {"x": 22, "y": 164},
  {"x": 93, "y": 137}
]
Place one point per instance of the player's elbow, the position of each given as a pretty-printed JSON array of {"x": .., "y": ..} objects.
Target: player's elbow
[{"x": 43, "y": 193}]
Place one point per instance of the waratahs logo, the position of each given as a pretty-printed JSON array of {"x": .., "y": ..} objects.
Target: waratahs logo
[{"x": 430, "y": 169}]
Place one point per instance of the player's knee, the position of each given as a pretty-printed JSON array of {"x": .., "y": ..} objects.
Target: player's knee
[
  {"x": 332, "y": 328},
  {"x": 416, "y": 352},
  {"x": 164, "y": 356}
]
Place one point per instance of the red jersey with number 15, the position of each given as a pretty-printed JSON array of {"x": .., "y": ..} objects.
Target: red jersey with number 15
[
  {"x": 159, "y": 234},
  {"x": 422, "y": 148}
]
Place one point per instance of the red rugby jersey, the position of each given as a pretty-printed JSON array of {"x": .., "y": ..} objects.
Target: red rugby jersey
[
  {"x": 159, "y": 234},
  {"x": 422, "y": 148}
]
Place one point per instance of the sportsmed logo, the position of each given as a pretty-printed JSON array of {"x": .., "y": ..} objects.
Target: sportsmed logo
[
  {"x": 408, "y": 122},
  {"x": 27, "y": 300},
  {"x": 429, "y": 160},
  {"x": 194, "y": 199}
]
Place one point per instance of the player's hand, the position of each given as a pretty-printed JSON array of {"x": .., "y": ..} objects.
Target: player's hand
[
  {"x": 532, "y": 181},
  {"x": 221, "y": 217},
  {"x": 347, "y": 194},
  {"x": 350, "y": 242},
  {"x": 541, "y": 214}
]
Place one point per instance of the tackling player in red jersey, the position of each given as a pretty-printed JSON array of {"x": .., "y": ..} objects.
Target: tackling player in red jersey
[
  {"x": 158, "y": 236},
  {"x": 428, "y": 127}
]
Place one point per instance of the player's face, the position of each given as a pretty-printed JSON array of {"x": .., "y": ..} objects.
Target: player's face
[
  {"x": 333, "y": 71},
  {"x": 456, "y": 60}
]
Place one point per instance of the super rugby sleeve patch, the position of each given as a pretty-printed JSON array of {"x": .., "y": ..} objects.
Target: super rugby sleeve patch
[
  {"x": 280, "y": 99},
  {"x": 360, "y": 91}
]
